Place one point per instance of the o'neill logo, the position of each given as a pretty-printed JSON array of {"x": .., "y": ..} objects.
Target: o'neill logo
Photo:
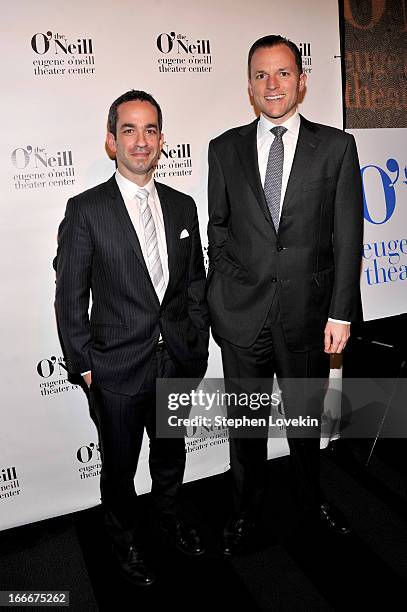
[
  {"x": 9, "y": 485},
  {"x": 305, "y": 48},
  {"x": 39, "y": 168},
  {"x": 89, "y": 456},
  {"x": 182, "y": 54},
  {"x": 175, "y": 160},
  {"x": 54, "y": 376},
  {"x": 386, "y": 259},
  {"x": 62, "y": 55}
]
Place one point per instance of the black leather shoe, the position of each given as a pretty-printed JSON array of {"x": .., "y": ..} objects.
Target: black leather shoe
[
  {"x": 185, "y": 538},
  {"x": 331, "y": 518},
  {"x": 235, "y": 535},
  {"x": 133, "y": 567}
]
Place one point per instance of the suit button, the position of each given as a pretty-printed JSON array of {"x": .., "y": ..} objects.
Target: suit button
[
  {"x": 274, "y": 279},
  {"x": 280, "y": 248}
]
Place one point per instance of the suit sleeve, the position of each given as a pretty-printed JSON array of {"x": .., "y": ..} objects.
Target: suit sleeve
[
  {"x": 348, "y": 238},
  {"x": 73, "y": 284},
  {"x": 197, "y": 307},
  {"x": 218, "y": 208}
]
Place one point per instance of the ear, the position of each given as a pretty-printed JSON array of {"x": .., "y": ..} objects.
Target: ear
[
  {"x": 161, "y": 142},
  {"x": 111, "y": 142},
  {"x": 302, "y": 82},
  {"x": 249, "y": 85}
]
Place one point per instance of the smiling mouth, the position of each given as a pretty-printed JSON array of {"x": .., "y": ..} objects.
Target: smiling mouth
[{"x": 272, "y": 98}]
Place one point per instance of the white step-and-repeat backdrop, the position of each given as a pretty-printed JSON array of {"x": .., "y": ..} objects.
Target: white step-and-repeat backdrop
[{"x": 61, "y": 69}]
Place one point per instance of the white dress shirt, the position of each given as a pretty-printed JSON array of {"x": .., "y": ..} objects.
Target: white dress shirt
[{"x": 290, "y": 139}]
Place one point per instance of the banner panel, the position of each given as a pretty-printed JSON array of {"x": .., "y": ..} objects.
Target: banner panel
[{"x": 382, "y": 155}]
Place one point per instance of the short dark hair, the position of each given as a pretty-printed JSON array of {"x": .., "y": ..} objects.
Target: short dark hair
[
  {"x": 130, "y": 96},
  {"x": 273, "y": 40}
]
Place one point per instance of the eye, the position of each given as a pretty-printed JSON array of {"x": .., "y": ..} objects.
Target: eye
[
  {"x": 284, "y": 73},
  {"x": 151, "y": 131},
  {"x": 261, "y": 75},
  {"x": 128, "y": 131}
]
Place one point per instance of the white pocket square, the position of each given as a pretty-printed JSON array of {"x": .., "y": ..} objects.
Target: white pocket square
[{"x": 184, "y": 234}]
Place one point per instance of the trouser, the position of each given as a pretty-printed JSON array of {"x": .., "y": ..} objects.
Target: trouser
[
  {"x": 121, "y": 421},
  {"x": 270, "y": 355}
]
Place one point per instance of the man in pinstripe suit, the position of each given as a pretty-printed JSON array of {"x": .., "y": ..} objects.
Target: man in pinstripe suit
[{"x": 133, "y": 244}]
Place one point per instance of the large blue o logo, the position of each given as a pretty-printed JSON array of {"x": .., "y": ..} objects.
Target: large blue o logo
[{"x": 388, "y": 190}]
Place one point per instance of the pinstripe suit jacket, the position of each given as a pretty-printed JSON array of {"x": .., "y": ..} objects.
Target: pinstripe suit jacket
[{"x": 99, "y": 256}]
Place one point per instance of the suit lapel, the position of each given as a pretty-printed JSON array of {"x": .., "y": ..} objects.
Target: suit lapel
[
  {"x": 307, "y": 145},
  {"x": 122, "y": 215},
  {"x": 170, "y": 213},
  {"x": 168, "y": 217},
  {"x": 247, "y": 150}
]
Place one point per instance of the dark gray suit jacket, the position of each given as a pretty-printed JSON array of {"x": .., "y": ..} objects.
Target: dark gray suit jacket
[
  {"x": 99, "y": 255},
  {"x": 312, "y": 264}
]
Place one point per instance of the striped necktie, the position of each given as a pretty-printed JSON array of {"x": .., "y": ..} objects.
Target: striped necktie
[
  {"x": 274, "y": 174},
  {"x": 151, "y": 241}
]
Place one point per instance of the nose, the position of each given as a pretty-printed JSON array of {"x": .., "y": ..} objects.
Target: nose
[
  {"x": 141, "y": 139},
  {"x": 272, "y": 82}
]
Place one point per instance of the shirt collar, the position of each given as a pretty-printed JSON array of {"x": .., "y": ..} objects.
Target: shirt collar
[
  {"x": 292, "y": 124},
  {"x": 128, "y": 189}
]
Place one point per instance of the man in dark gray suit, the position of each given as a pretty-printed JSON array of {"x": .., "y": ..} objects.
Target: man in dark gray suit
[
  {"x": 134, "y": 245},
  {"x": 285, "y": 237}
]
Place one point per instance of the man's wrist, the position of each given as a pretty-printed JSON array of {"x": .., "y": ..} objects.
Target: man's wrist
[{"x": 339, "y": 321}]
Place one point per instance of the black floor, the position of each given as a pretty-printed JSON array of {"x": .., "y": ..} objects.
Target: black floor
[{"x": 290, "y": 566}]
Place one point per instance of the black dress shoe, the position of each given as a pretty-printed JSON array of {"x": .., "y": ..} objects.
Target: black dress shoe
[
  {"x": 185, "y": 538},
  {"x": 236, "y": 535},
  {"x": 331, "y": 518},
  {"x": 133, "y": 567}
]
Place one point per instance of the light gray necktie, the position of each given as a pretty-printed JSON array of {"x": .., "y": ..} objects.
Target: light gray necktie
[
  {"x": 151, "y": 241},
  {"x": 274, "y": 174}
]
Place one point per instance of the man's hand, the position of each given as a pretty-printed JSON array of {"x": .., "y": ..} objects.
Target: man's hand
[
  {"x": 88, "y": 378},
  {"x": 336, "y": 336}
]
